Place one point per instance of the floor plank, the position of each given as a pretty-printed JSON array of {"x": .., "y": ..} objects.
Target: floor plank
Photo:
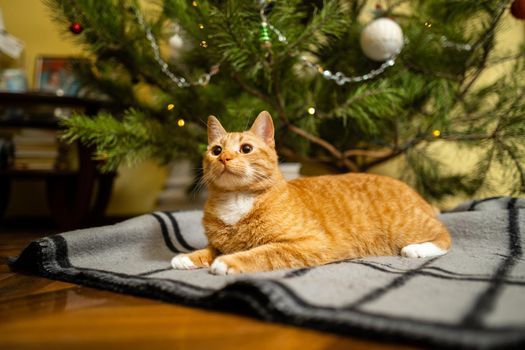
[{"x": 37, "y": 313}]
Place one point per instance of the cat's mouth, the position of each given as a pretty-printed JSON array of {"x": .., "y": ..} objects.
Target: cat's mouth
[{"x": 228, "y": 171}]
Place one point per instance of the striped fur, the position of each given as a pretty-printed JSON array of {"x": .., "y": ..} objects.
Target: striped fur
[{"x": 304, "y": 222}]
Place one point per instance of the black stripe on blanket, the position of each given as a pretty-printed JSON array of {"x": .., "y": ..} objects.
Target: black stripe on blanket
[
  {"x": 394, "y": 284},
  {"x": 438, "y": 271},
  {"x": 298, "y": 272},
  {"x": 486, "y": 301},
  {"x": 152, "y": 272},
  {"x": 475, "y": 203},
  {"x": 62, "y": 260},
  {"x": 426, "y": 271},
  {"x": 178, "y": 234},
  {"x": 165, "y": 234}
]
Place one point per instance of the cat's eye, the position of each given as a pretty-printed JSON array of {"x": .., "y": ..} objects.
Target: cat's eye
[
  {"x": 216, "y": 150},
  {"x": 246, "y": 148}
]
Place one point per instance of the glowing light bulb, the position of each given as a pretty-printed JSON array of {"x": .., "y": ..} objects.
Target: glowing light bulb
[
  {"x": 181, "y": 122},
  {"x": 171, "y": 106},
  {"x": 436, "y": 133},
  {"x": 201, "y": 26},
  {"x": 195, "y": 3},
  {"x": 311, "y": 110}
]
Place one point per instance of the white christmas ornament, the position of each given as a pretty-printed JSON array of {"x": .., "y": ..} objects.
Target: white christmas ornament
[
  {"x": 382, "y": 39},
  {"x": 176, "y": 46},
  {"x": 176, "y": 42}
]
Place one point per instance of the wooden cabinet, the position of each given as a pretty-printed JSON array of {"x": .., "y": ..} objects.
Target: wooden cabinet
[{"x": 76, "y": 197}]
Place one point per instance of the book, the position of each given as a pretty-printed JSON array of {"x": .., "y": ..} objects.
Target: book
[
  {"x": 7, "y": 151},
  {"x": 35, "y": 149},
  {"x": 35, "y": 137},
  {"x": 36, "y": 153},
  {"x": 34, "y": 164}
]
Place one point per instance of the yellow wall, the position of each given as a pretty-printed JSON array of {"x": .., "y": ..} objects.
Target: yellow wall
[
  {"x": 29, "y": 21},
  {"x": 135, "y": 189}
]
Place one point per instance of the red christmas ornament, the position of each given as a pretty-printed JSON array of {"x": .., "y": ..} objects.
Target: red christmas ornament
[
  {"x": 518, "y": 9},
  {"x": 76, "y": 28}
]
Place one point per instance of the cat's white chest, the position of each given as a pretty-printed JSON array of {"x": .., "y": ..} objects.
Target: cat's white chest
[{"x": 233, "y": 206}]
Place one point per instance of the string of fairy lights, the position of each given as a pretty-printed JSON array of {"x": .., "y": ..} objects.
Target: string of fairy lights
[
  {"x": 338, "y": 77},
  {"x": 179, "y": 81}
]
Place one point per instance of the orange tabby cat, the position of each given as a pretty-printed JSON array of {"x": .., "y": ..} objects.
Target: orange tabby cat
[{"x": 257, "y": 221}]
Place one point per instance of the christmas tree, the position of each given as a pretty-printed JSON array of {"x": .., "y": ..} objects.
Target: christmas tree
[{"x": 345, "y": 88}]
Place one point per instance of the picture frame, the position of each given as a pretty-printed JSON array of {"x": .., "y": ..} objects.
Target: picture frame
[{"x": 55, "y": 75}]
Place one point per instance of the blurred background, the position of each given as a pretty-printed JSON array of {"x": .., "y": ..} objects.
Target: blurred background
[
  {"x": 135, "y": 189},
  {"x": 149, "y": 186}
]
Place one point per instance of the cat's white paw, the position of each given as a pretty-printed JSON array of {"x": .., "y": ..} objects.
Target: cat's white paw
[
  {"x": 219, "y": 267},
  {"x": 182, "y": 262},
  {"x": 422, "y": 250}
]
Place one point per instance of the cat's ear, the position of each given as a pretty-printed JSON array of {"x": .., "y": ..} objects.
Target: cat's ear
[
  {"x": 215, "y": 129},
  {"x": 263, "y": 128}
]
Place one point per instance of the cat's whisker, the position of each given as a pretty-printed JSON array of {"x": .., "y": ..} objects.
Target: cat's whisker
[
  {"x": 197, "y": 181},
  {"x": 204, "y": 181},
  {"x": 257, "y": 175},
  {"x": 197, "y": 189},
  {"x": 204, "y": 123},
  {"x": 247, "y": 123}
]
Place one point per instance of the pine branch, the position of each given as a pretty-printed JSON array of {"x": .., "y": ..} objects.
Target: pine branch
[
  {"x": 486, "y": 42},
  {"x": 505, "y": 59},
  {"x": 517, "y": 166},
  {"x": 251, "y": 90},
  {"x": 395, "y": 153},
  {"x": 326, "y": 145},
  {"x": 329, "y": 21},
  {"x": 367, "y": 153}
]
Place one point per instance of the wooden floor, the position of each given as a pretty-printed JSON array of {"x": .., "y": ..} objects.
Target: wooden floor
[{"x": 44, "y": 314}]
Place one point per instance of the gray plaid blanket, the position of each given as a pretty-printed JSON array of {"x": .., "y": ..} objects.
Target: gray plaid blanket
[{"x": 473, "y": 297}]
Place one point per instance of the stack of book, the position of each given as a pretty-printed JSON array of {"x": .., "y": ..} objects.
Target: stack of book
[{"x": 35, "y": 149}]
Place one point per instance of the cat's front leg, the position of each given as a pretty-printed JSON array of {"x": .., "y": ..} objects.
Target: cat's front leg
[
  {"x": 270, "y": 257},
  {"x": 194, "y": 260}
]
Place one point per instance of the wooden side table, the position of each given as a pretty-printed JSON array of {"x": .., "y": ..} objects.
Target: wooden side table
[{"x": 75, "y": 198}]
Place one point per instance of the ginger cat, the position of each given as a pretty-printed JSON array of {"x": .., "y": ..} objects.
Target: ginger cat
[{"x": 257, "y": 221}]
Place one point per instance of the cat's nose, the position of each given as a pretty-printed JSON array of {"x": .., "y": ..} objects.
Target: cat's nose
[{"x": 225, "y": 157}]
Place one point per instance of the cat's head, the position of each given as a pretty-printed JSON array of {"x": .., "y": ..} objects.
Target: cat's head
[{"x": 240, "y": 161}]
